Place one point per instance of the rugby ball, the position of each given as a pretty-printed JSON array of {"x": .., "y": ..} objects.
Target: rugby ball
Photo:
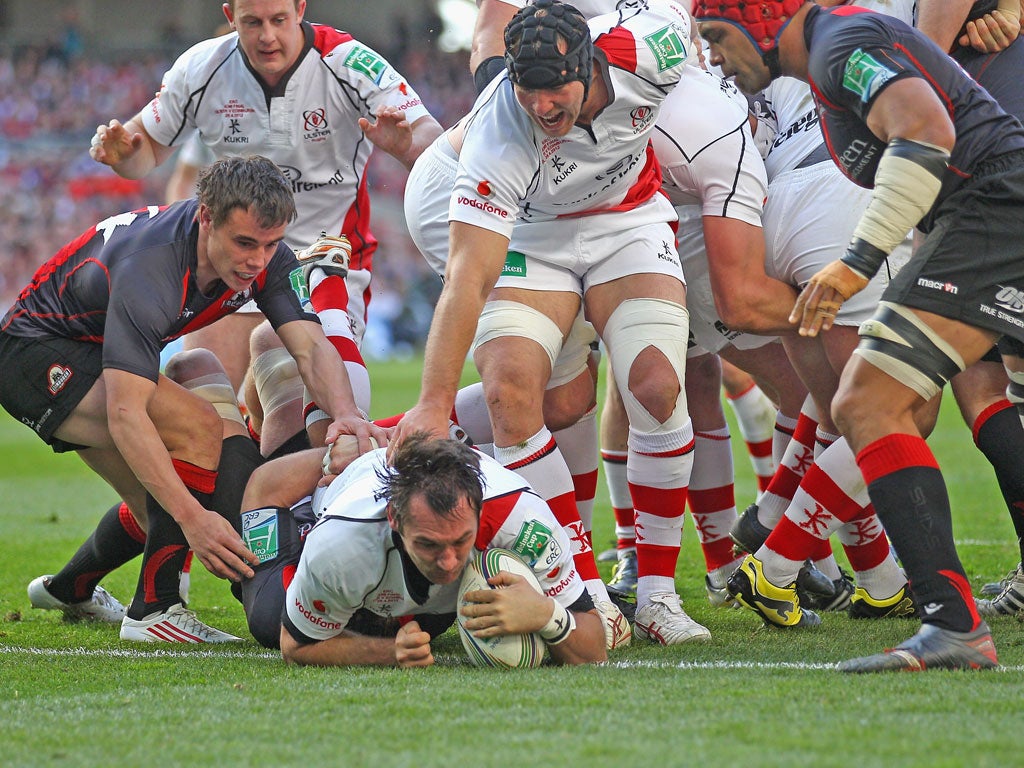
[{"x": 508, "y": 651}]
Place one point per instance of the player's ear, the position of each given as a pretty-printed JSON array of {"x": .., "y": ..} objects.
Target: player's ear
[
  {"x": 229, "y": 14},
  {"x": 391, "y": 518}
]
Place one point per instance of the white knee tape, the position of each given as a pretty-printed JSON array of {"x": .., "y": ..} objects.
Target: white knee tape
[
  {"x": 276, "y": 377},
  {"x": 216, "y": 389},
  {"x": 635, "y": 325},
  {"x": 510, "y": 318},
  {"x": 572, "y": 359}
]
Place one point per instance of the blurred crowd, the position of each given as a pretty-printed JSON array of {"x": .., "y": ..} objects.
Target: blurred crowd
[{"x": 53, "y": 97}]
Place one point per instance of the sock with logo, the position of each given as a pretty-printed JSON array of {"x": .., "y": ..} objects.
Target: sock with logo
[
  {"x": 116, "y": 540},
  {"x": 909, "y": 495}
]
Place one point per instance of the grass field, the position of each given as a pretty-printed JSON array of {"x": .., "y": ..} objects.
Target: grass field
[{"x": 75, "y": 695}]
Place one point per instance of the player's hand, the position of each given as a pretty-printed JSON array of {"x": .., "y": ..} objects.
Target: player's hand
[
  {"x": 420, "y": 418},
  {"x": 218, "y": 546},
  {"x": 512, "y": 608},
  {"x": 112, "y": 144},
  {"x": 816, "y": 306},
  {"x": 412, "y": 646},
  {"x": 391, "y": 132},
  {"x": 992, "y": 33},
  {"x": 362, "y": 429}
]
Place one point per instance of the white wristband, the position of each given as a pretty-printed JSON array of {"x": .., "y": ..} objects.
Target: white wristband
[{"x": 559, "y": 626}]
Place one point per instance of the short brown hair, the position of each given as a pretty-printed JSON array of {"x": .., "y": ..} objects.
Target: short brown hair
[{"x": 251, "y": 183}]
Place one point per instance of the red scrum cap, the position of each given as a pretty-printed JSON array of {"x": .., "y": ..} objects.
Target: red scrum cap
[{"x": 761, "y": 20}]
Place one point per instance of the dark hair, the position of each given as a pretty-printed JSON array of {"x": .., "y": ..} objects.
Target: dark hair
[
  {"x": 443, "y": 471},
  {"x": 251, "y": 183},
  {"x": 547, "y": 44}
]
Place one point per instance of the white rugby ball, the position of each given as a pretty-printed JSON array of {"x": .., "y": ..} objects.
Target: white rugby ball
[{"x": 508, "y": 651}]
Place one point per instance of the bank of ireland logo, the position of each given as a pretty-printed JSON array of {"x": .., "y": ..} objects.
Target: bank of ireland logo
[
  {"x": 259, "y": 533},
  {"x": 668, "y": 48},
  {"x": 865, "y": 75},
  {"x": 515, "y": 265},
  {"x": 367, "y": 62}
]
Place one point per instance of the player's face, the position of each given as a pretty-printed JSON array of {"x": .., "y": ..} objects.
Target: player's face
[
  {"x": 555, "y": 110},
  {"x": 237, "y": 250},
  {"x": 738, "y": 58},
  {"x": 439, "y": 547},
  {"x": 269, "y": 34}
]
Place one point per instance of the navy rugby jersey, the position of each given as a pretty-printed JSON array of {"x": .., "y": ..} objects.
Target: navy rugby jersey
[
  {"x": 855, "y": 54},
  {"x": 129, "y": 283}
]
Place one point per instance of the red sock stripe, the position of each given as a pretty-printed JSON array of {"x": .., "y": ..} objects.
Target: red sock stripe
[
  {"x": 893, "y": 453},
  {"x": 187, "y": 567},
  {"x": 153, "y": 564},
  {"x": 791, "y": 541},
  {"x": 760, "y": 450},
  {"x": 130, "y": 524},
  {"x": 709, "y": 436},
  {"x": 330, "y": 293},
  {"x": 194, "y": 477},
  {"x": 614, "y": 458},
  {"x": 85, "y": 584},
  {"x": 711, "y": 499},
  {"x": 822, "y": 551},
  {"x": 652, "y": 560},
  {"x": 787, "y": 431},
  {"x": 347, "y": 349},
  {"x": 741, "y": 394},
  {"x": 824, "y": 490},
  {"x": 585, "y": 485},
  {"x": 548, "y": 448},
  {"x": 252, "y": 432},
  {"x": 961, "y": 585},
  {"x": 987, "y": 414},
  {"x": 682, "y": 451},
  {"x": 659, "y": 502},
  {"x": 868, "y": 552},
  {"x": 784, "y": 482},
  {"x": 717, "y": 553}
]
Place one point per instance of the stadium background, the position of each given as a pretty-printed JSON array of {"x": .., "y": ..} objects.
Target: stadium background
[{"x": 68, "y": 65}]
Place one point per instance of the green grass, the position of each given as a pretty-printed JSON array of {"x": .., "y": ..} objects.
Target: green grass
[{"x": 75, "y": 695}]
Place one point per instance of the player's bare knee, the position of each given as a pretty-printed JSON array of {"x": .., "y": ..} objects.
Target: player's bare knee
[
  {"x": 654, "y": 383},
  {"x": 565, "y": 405}
]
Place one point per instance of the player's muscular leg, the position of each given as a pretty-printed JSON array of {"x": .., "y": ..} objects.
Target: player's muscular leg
[
  {"x": 514, "y": 371},
  {"x": 774, "y": 373},
  {"x": 883, "y": 387},
  {"x": 703, "y": 392},
  {"x": 565, "y": 405},
  {"x": 227, "y": 339}
]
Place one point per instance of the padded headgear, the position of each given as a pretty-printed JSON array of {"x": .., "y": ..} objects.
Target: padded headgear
[
  {"x": 761, "y": 20},
  {"x": 532, "y": 52}
]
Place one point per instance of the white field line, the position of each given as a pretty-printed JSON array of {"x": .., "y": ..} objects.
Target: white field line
[{"x": 443, "y": 659}]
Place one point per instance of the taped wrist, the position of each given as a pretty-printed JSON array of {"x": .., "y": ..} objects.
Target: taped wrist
[
  {"x": 863, "y": 258},
  {"x": 559, "y": 626},
  {"x": 907, "y": 182},
  {"x": 487, "y": 71}
]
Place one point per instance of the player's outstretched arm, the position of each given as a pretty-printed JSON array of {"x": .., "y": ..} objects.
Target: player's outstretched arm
[{"x": 409, "y": 648}]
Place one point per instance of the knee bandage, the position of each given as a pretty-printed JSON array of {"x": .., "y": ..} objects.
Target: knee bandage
[
  {"x": 635, "y": 325},
  {"x": 575, "y": 352},
  {"x": 216, "y": 389},
  {"x": 897, "y": 342},
  {"x": 510, "y": 318},
  {"x": 276, "y": 377}
]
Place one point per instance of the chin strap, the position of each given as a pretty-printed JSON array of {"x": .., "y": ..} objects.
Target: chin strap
[{"x": 771, "y": 60}]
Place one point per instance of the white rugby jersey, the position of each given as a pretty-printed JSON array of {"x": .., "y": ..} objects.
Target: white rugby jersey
[
  {"x": 510, "y": 170},
  {"x": 351, "y": 558},
  {"x": 307, "y": 124},
  {"x": 793, "y": 106},
  {"x": 589, "y": 8},
  {"x": 706, "y": 153}
]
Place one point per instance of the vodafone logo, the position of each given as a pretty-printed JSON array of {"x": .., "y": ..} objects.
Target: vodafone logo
[
  {"x": 312, "y": 618},
  {"x": 318, "y": 605},
  {"x": 483, "y": 206},
  {"x": 484, "y": 189}
]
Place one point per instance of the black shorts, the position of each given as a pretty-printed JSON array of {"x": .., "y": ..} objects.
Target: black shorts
[
  {"x": 970, "y": 267},
  {"x": 45, "y": 379},
  {"x": 277, "y": 536}
]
